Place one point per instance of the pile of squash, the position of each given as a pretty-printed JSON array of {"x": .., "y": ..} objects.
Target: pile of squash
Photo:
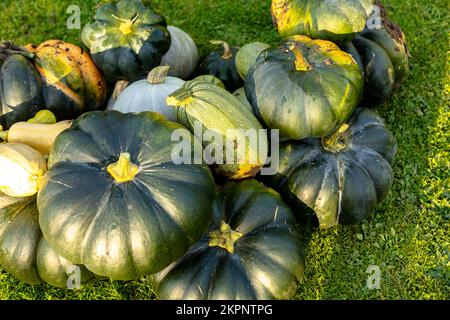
[{"x": 91, "y": 185}]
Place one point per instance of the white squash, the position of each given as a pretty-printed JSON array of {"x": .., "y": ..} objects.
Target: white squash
[
  {"x": 182, "y": 56},
  {"x": 21, "y": 170},
  {"x": 150, "y": 94}
]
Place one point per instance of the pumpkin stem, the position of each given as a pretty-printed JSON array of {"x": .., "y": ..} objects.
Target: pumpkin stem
[
  {"x": 126, "y": 27},
  {"x": 334, "y": 143},
  {"x": 43, "y": 117},
  {"x": 179, "y": 98},
  {"x": 158, "y": 75},
  {"x": 227, "y": 54},
  {"x": 224, "y": 238},
  {"x": 123, "y": 170},
  {"x": 121, "y": 85},
  {"x": 301, "y": 64},
  {"x": 8, "y": 49},
  {"x": 38, "y": 180},
  {"x": 3, "y": 134}
]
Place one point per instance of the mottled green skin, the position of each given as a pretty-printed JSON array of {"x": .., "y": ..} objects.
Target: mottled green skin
[
  {"x": 24, "y": 252},
  {"x": 20, "y": 91},
  {"x": 126, "y": 57},
  {"x": 267, "y": 262},
  {"x": 54, "y": 75},
  {"x": 213, "y": 109},
  {"x": 224, "y": 69},
  {"x": 303, "y": 104},
  {"x": 335, "y": 20},
  {"x": 123, "y": 230},
  {"x": 384, "y": 58},
  {"x": 340, "y": 187}
]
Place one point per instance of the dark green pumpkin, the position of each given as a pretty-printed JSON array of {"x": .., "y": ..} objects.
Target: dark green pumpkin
[
  {"x": 127, "y": 39},
  {"x": 54, "y": 75},
  {"x": 329, "y": 20},
  {"x": 20, "y": 91},
  {"x": 304, "y": 87},
  {"x": 113, "y": 199},
  {"x": 383, "y": 57},
  {"x": 251, "y": 251},
  {"x": 339, "y": 179},
  {"x": 221, "y": 63},
  {"x": 25, "y": 253}
]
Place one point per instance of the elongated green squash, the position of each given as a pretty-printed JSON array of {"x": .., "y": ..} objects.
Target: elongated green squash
[{"x": 238, "y": 135}]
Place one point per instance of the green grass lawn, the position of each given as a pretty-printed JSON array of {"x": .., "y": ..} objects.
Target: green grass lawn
[{"x": 409, "y": 235}]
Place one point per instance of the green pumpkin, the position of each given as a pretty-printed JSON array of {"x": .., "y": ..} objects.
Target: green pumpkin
[
  {"x": 54, "y": 75},
  {"x": 341, "y": 178},
  {"x": 221, "y": 63},
  {"x": 214, "y": 110},
  {"x": 113, "y": 199},
  {"x": 382, "y": 54},
  {"x": 127, "y": 39},
  {"x": 305, "y": 88},
  {"x": 251, "y": 251},
  {"x": 23, "y": 250},
  {"x": 329, "y": 20},
  {"x": 247, "y": 56}
]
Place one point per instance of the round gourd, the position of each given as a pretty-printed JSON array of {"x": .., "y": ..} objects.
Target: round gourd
[
  {"x": 251, "y": 251},
  {"x": 305, "y": 88},
  {"x": 182, "y": 56},
  {"x": 214, "y": 110},
  {"x": 221, "y": 63},
  {"x": 113, "y": 199},
  {"x": 150, "y": 94},
  {"x": 127, "y": 39},
  {"x": 25, "y": 253},
  {"x": 247, "y": 56},
  {"x": 22, "y": 169},
  {"x": 54, "y": 75},
  {"x": 340, "y": 178},
  {"x": 382, "y": 54},
  {"x": 329, "y": 20}
]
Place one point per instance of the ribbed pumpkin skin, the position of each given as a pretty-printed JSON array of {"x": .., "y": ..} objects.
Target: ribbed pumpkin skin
[
  {"x": 224, "y": 69},
  {"x": 72, "y": 82},
  {"x": 20, "y": 91},
  {"x": 343, "y": 186},
  {"x": 329, "y": 20},
  {"x": 384, "y": 59},
  {"x": 143, "y": 96},
  {"x": 216, "y": 110},
  {"x": 182, "y": 56},
  {"x": 24, "y": 252},
  {"x": 123, "y": 230},
  {"x": 304, "y": 103},
  {"x": 126, "y": 56},
  {"x": 267, "y": 262},
  {"x": 54, "y": 75}
]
